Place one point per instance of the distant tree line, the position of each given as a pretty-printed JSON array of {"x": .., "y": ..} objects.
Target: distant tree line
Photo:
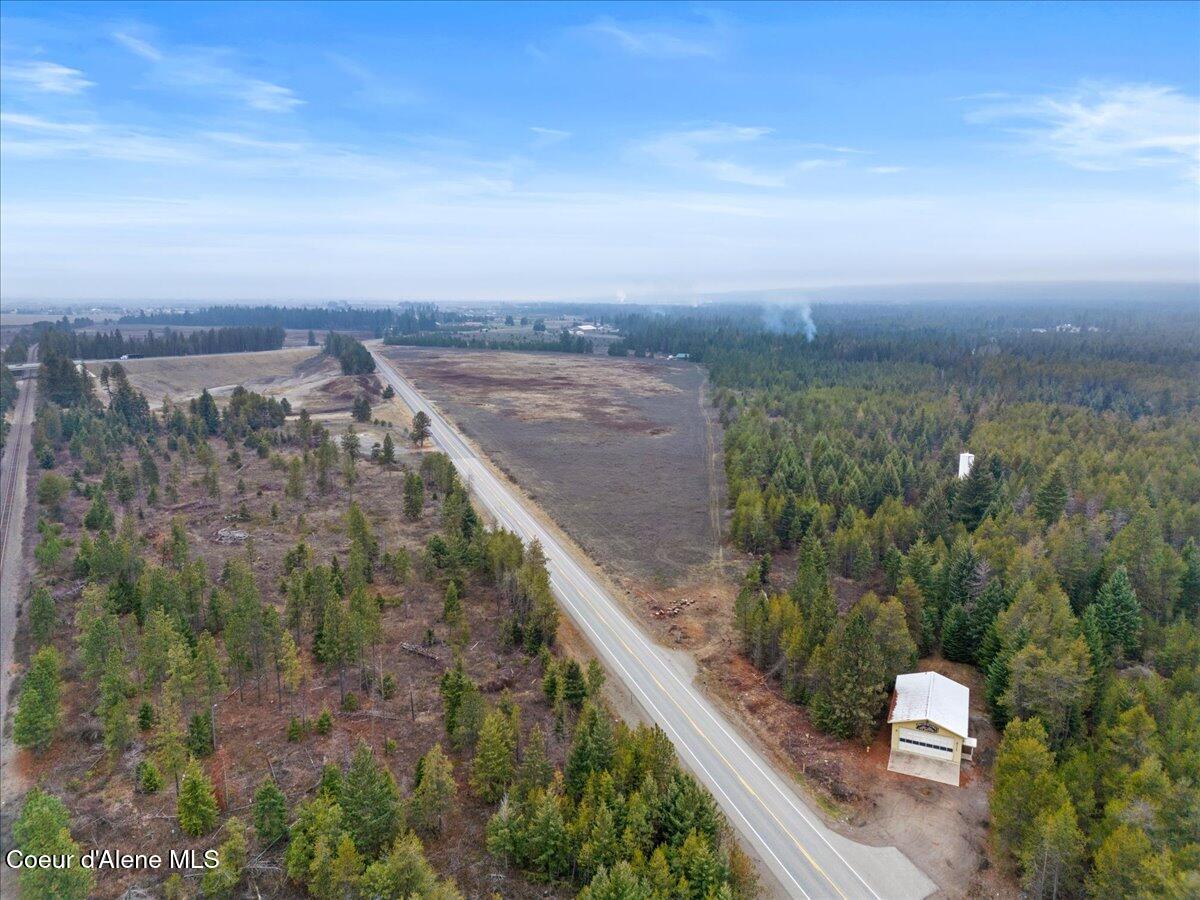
[
  {"x": 408, "y": 318},
  {"x": 565, "y": 343},
  {"x": 113, "y": 344}
]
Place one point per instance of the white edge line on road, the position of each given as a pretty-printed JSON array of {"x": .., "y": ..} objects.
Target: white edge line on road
[{"x": 771, "y": 778}]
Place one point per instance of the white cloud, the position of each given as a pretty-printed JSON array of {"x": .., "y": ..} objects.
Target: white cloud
[
  {"x": 885, "y": 170},
  {"x": 661, "y": 42},
  {"x": 544, "y": 137},
  {"x": 37, "y": 123},
  {"x": 142, "y": 48},
  {"x": 1107, "y": 127},
  {"x": 209, "y": 69},
  {"x": 47, "y": 77},
  {"x": 707, "y": 151}
]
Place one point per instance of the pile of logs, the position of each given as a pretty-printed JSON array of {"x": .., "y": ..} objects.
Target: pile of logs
[{"x": 672, "y": 612}]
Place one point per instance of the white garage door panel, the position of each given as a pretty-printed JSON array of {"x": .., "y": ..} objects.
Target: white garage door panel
[{"x": 925, "y": 744}]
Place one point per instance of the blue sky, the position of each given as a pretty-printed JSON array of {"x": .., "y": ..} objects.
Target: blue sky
[{"x": 536, "y": 151}]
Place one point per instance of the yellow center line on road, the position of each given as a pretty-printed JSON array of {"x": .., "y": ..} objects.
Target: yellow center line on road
[{"x": 515, "y": 513}]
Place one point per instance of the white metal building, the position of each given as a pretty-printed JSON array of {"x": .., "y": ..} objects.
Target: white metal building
[{"x": 929, "y": 716}]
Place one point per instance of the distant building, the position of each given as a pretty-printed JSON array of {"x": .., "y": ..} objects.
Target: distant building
[
  {"x": 929, "y": 716},
  {"x": 965, "y": 461}
]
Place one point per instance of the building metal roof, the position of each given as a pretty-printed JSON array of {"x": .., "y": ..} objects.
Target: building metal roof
[{"x": 934, "y": 698}]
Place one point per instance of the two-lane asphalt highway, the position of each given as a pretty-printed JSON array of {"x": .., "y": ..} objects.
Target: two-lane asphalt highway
[
  {"x": 14, "y": 471},
  {"x": 806, "y": 858}
]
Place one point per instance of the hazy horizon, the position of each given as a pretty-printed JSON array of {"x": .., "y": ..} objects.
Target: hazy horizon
[{"x": 966, "y": 292}]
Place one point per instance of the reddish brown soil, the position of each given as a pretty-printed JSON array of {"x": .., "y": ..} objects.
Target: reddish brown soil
[{"x": 252, "y": 722}]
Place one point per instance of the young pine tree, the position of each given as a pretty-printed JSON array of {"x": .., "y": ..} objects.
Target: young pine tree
[
  {"x": 197, "y": 804},
  {"x": 224, "y": 879},
  {"x": 371, "y": 803},
  {"x": 43, "y": 827},
  {"x": 36, "y": 719},
  {"x": 414, "y": 496},
  {"x": 495, "y": 757},
  {"x": 1119, "y": 615},
  {"x": 433, "y": 797},
  {"x": 270, "y": 812},
  {"x": 849, "y": 675}
]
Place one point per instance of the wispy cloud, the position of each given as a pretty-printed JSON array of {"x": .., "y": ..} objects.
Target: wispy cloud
[
  {"x": 885, "y": 170},
  {"x": 371, "y": 87},
  {"x": 709, "y": 151},
  {"x": 1106, "y": 127},
  {"x": 39, "y": 124},
  {"x": 46, "y": 77},
  {"x": 210, "y": 69},
  {"x": 246, "y": 154},
  {"x": 661, "y": 41},
  {"x": 136, "y": 45},
  {"x": 544, "y": 137}
]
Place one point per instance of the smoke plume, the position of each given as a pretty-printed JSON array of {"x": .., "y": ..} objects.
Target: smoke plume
[{"x": 785, "y": 319}]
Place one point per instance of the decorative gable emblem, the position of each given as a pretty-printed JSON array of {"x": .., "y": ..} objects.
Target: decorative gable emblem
[{"x": 927, "y": 726}]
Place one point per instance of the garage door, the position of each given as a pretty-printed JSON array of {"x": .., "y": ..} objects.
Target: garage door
[{"x": 925, "y": 744}]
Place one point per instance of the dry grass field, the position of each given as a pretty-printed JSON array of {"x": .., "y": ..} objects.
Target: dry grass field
[{"x": 616, "y": 451}]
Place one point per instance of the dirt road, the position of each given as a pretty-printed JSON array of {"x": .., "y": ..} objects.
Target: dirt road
[{"x": 14, "y": 472}]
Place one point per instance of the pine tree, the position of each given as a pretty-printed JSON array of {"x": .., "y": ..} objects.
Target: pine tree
[
  {"x": 270, "y": 812},
  {"x": 850, "y": 683},
  {"x": 495, "y": 757},
  {"x": 294, "y": 488},
  {"x": 404, "y": 872},
  {"x": 197, "y": 804},
  {"x": 36, "y": 719},
  {"x": 1118, "y": 869},
  {"x": 547, "y": 839},
  {"x": 1119, "y": 615},
  {"x": 591, "y": 750},
  {"x": 1051, "y": 497},
  {"x": 170, "y": 747},
  {"x": 414, "y": 496},
  {"x": 221, "y": 881},
  {"x": 601, "y": 844},
  {"x": 361, "y": 409},
  {"x": 420, "y": 428},
  {"x": 955, "y": 637},
  {"x": 1025, "y": 785},
  {"x": 575, "y": 690},
  {"x": 388, "y": 454},
  {"x": 1189, "y": 582},
  {"x": 371, "y": 803},
  {"x": 1052, "y": 855},
  {"x": 346, "y": 869},
  {"x": 42, "y": 616},
  {"x": 455, "y": 618},
  {"x": 434, "y": 795},
  {"x": 43, "y": 828},
  {"x": 536, "y": 770},
  {"x": 318, "y": 823}
]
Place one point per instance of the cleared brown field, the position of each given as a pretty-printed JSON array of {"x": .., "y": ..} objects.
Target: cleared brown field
[
  {"x": 290, "y": 372},
  {"x": 616, "y": 451}
]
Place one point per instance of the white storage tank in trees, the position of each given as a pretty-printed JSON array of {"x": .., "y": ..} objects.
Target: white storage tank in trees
[{"x": 965, "y": 461}]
